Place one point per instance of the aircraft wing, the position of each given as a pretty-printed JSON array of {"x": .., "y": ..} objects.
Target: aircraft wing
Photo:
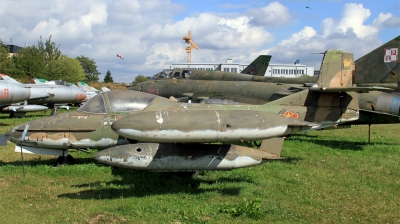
[{"x": 349, "y": 89}]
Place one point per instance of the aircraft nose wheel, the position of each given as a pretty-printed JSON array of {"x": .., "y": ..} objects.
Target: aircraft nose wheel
[{"x": 64, "y": 160}]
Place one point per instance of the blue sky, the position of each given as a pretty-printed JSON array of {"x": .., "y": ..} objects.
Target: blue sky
[{"x": 148, "y": 33}]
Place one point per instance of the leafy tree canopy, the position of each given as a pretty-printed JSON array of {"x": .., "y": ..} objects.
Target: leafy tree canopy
[
  {"x": 29, "y": 61},
  {"x": 5, "y": 62},
  {"x": 67, "y": 69},
  {"x": 90, "y": 68},
  {"x": 140, "y": 78}
]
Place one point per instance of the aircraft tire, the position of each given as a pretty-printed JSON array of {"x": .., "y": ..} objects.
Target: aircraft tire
[
  {"x": 17, "y": 114},
  {"x": 62, "y": 160}
]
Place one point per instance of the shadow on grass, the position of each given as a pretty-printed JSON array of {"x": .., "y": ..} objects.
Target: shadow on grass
[
  {"x": 335, "y": 144},
  {"x": 140, "y": 183},
  {"x": 49, "y": 162},
  {"x": 289, "y": 160}
]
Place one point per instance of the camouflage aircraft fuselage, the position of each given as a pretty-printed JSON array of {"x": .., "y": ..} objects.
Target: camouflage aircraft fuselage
[
  {"x": 154, "y": 119},
  {"x": 253, "y": 93}
]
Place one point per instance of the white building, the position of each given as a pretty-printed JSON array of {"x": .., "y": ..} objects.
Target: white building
[{"x": 273, "y": 70}]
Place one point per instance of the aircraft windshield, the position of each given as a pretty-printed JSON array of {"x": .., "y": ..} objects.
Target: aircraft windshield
[
  {"x": 94, "y": 105},
  {"x": 128, "y": 100},
  {"x": 166, "y": 74}
]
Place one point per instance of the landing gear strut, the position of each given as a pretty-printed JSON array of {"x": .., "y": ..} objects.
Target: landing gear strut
[{"x": 53, "y": 110}]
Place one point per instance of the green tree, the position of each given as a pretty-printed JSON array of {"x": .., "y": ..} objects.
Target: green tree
[
  {"x": 49, "y": 50},
  {"x": 90, "y": 69},
  {"x": 108, "y": 78},
  {"x": 5, "y": 61},
  {"x": 66, "y": 69},
  {"x": 29, "y": 62},
  {"x": 140, "y": 78}
]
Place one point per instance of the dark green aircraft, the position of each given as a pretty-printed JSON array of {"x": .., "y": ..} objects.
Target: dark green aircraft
[{"x": 226, "y": 87}]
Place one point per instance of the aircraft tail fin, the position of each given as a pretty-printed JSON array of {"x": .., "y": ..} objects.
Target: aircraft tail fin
[
  {"x": 7, "y": 78},
  {"x": 39, "y": 80},
  {"x": 259, "y": 66},
  {"x": 332, "y": 100},
  {"x": 380, "y": 65},
  {"x": 83, "y": 86}
]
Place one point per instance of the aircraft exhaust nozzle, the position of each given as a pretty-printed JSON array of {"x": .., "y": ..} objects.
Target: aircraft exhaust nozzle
[{"x": 181, "y": 157}]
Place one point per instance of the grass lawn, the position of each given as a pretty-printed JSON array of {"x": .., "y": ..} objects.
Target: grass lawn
[{"x": 330, "y": 176}]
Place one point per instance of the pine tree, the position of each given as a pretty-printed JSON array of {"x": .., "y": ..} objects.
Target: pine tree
[{"x": 108, "y": 78}]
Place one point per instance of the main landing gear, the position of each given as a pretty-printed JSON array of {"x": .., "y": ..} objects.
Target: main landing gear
[{"x": 64, "y": 160}]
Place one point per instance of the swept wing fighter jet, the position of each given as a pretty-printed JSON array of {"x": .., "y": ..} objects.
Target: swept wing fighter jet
[
  {"x": 145, "y": 131},
  {"x": 255, "y": 69},
  {"x": 42, "y": 94}
]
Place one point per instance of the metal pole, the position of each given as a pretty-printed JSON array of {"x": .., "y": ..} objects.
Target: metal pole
[{"x": 369, "y": 133}]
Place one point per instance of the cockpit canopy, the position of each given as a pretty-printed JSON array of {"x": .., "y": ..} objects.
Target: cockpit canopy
[
  {"x": 119, "y": 101},
  {"x": 172, "y": 74}
]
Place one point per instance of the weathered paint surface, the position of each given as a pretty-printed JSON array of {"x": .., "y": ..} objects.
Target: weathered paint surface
[
  {"x": 118, "y": 118},
  {"x": 372, "y": 67},
  {"x": 336, "y": 71},
  {"x": 181, "y": 157}
]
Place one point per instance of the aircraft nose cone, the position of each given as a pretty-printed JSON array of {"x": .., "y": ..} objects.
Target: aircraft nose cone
[{"x": 13, "y": 135}]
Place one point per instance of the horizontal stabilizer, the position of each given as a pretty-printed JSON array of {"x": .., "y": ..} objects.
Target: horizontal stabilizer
[{"x": 374, "y": 117}]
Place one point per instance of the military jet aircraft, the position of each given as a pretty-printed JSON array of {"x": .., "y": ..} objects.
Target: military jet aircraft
[
  {"x": 233, "y": 87},
  {"x": 48, "y": 95},
  {"x": 145, "y": 131},
  {"x": 11, "y": 94},
  {"x": 256, "y": 68},
  {"x": 380, "y": 67}
]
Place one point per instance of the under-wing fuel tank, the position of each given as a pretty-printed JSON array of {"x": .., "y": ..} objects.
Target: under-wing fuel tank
[{"x": 182, "y": 157}]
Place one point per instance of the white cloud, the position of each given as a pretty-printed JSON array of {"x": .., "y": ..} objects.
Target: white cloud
[
  {"x": 352, "y": 18},
  {"x": 148, "y": 34},
  {"x": 386, "y": 20},
  {"x": 305, "y": 34},
  {"x": 274, "y": 14}
]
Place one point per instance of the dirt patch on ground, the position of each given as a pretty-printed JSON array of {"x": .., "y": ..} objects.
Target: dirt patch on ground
[{"x": 106, "y": 218}]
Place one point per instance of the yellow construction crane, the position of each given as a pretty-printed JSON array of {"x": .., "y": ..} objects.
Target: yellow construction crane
[{"x": 189, "y": 46}]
